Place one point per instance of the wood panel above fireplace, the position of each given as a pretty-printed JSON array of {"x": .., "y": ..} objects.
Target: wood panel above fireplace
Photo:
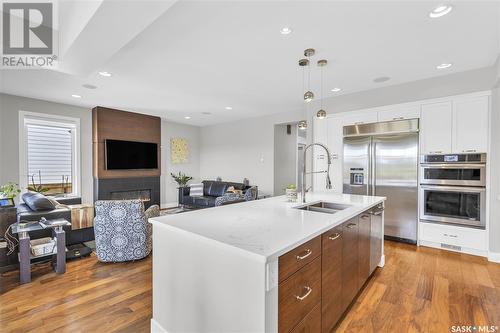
[{"x": 121, "y": 125}]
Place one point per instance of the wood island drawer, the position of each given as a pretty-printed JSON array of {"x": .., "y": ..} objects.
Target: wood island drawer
[
  {"x": 311, "y": 323},
  {"x": 298, "y": 295},
  {"x": 297, "y": 258}
]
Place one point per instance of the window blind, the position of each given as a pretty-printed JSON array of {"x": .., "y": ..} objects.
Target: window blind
[{"x": 49, "y": 151}]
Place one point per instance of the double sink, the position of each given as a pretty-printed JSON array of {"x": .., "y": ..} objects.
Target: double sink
[{"x": 323, "y": 207}]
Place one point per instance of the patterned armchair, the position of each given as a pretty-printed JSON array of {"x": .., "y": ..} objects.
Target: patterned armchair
[
  {"x": 251, "y": 193},
  {"x": 228, "y": 198},
  {"x": 122, "y": 232}
]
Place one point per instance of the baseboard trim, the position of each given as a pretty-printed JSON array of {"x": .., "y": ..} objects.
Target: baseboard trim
[
  {"x": 169, "y": 205},
  {"x": 156, "y": 327},
  {"x": 466, "y": 250},
  {"x": 494, "y": 257}
]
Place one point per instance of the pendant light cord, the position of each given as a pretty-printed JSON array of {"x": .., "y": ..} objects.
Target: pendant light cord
[{"x": 322, "y": 87}]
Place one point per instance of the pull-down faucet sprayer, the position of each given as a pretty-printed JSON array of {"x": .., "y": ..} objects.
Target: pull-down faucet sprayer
[{"x": 328, "y": 181}]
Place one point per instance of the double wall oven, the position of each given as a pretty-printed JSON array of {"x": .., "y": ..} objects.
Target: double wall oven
[{"x": 453, "y": 189}]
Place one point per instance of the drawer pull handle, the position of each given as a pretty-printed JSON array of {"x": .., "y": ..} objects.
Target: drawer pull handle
[
  {"x": 359, "y": 123},
  {"x": 365, "y": 216},
  {"x": 398, "y": 118},
  {"x": 351, "y": 225},
  {"x": 469, "y": 151},
  {"x": 334, "y": 236},
  {"x": 307, "y": 293},
  {"x": 305, "y": 254},
  {"x": 453, "y": 236}
]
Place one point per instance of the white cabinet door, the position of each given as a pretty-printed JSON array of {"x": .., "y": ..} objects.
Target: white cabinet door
[
  {"x": 436, "y": 128},
  {"x": 470, "y": 125},
  {"x": 399, "y": 113},
  {"x": 336, "y": 146},
  {"x": 360, "y": 118}
]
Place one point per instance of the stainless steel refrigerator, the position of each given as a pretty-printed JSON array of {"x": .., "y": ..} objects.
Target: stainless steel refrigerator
[{"x": 382, "y": 159}]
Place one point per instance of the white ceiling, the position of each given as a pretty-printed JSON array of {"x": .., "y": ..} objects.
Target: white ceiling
[{"x": 177, "y": 59}]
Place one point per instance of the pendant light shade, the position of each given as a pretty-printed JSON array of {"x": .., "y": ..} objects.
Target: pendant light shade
[
  {"x": 308, "y": 96},
  {"x": 321, "y": 114}
]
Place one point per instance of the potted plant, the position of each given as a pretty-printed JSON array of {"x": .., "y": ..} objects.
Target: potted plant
[
  {"x": 39, "y": 188},
  {"x": 9, "y": 190},
  {"x": 291, "y": 193},
  {"x": 181, "y": 178}
]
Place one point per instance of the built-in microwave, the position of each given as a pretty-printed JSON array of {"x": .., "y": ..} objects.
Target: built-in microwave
[
  {"x": 453, "y": 205},
  {"x": 453, "y": 169}
]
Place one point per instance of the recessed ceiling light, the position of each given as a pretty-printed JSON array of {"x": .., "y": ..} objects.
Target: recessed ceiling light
[
  {"x": 89, "y": 86},
  {"x": 285, "y": 30},
  {"x": 106, "y": 74},
  {"x": 76, "y": 96},
  {"x": 381, "y": 79},
  {"x": 440, "y": 10},
  {"x": 187, "y": 117},
  {"x": 228, "y": 108},
  {"x": 443, "y": 66},
  {"x": 336, "y": 89}
]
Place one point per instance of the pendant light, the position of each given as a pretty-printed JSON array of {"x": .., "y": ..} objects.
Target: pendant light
[
  {"x": 302, "y": 125},
  {"x": 308, "y": 95},
  {"x": 321, "y": 114}
]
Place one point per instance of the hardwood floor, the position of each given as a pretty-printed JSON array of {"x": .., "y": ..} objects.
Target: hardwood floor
[
  {"x": 89, "y": 297},
  {"x": 419, "y": 290}
]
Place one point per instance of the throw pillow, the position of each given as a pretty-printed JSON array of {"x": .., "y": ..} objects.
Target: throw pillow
[
  {"x": 37, "y": 202},
  {"x": 196, "y": 190}
]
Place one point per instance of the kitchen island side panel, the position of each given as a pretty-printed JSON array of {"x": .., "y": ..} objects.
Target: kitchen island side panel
[{"x": 201, "y": 285}]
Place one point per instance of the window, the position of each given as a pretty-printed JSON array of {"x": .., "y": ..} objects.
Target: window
[{"x": 49, "y": 154}]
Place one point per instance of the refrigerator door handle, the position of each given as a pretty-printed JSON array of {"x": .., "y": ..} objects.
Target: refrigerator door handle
[
  {"x": 374, "y": 167},
  {"x": 369, "y": 171}
]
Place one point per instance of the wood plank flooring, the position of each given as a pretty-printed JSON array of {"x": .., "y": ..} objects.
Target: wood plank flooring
[{"x": 419, "y": 290}]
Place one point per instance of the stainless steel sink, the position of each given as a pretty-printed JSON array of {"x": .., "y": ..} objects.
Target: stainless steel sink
[{"x": 324, "y": 207}]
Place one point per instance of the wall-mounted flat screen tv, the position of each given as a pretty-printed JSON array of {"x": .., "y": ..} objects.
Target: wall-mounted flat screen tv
[{"x": 129, "y": 155}]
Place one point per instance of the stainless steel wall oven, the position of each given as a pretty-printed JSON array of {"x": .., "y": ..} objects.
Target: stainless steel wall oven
[{"x": 453, "y": 189}]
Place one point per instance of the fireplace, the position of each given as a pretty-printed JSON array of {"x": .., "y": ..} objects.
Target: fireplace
[
  {"x": 146, "y": 189},
  {"x": 143, "y": 195}
]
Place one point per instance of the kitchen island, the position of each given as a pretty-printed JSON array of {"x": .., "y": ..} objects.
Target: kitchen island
[{"x": 264, "y": 265}]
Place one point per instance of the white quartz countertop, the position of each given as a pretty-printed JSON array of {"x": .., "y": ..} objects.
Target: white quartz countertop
[{"x": 266, "y": 228}]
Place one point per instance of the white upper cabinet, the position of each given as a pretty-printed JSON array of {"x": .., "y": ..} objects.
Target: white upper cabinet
[
  {"x": 470, "y": 124},
  {"x": 436, "y": 128},
  {"x": 359, "y": 118},
  {"x": 399, "y": 113}
]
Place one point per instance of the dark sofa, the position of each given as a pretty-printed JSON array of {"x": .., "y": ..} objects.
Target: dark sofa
[{"x": 211, "y": 190}]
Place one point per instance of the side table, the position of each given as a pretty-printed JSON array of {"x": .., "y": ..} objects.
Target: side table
[
  {"x": 25, "y": 255},
  {"x": 82, "y": 216}
]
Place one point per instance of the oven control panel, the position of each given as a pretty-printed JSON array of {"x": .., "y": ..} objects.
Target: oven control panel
[{"x": 454, "y": 158}]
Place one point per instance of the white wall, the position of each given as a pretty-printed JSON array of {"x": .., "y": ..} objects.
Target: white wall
[
  {"x": 9, "y": 137},
  {"x": 494, "y": 243},
  {"x": 243, "y": 148},
  {"x": 285, "y": 157},
  {"x": 192, "y": 168}
]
